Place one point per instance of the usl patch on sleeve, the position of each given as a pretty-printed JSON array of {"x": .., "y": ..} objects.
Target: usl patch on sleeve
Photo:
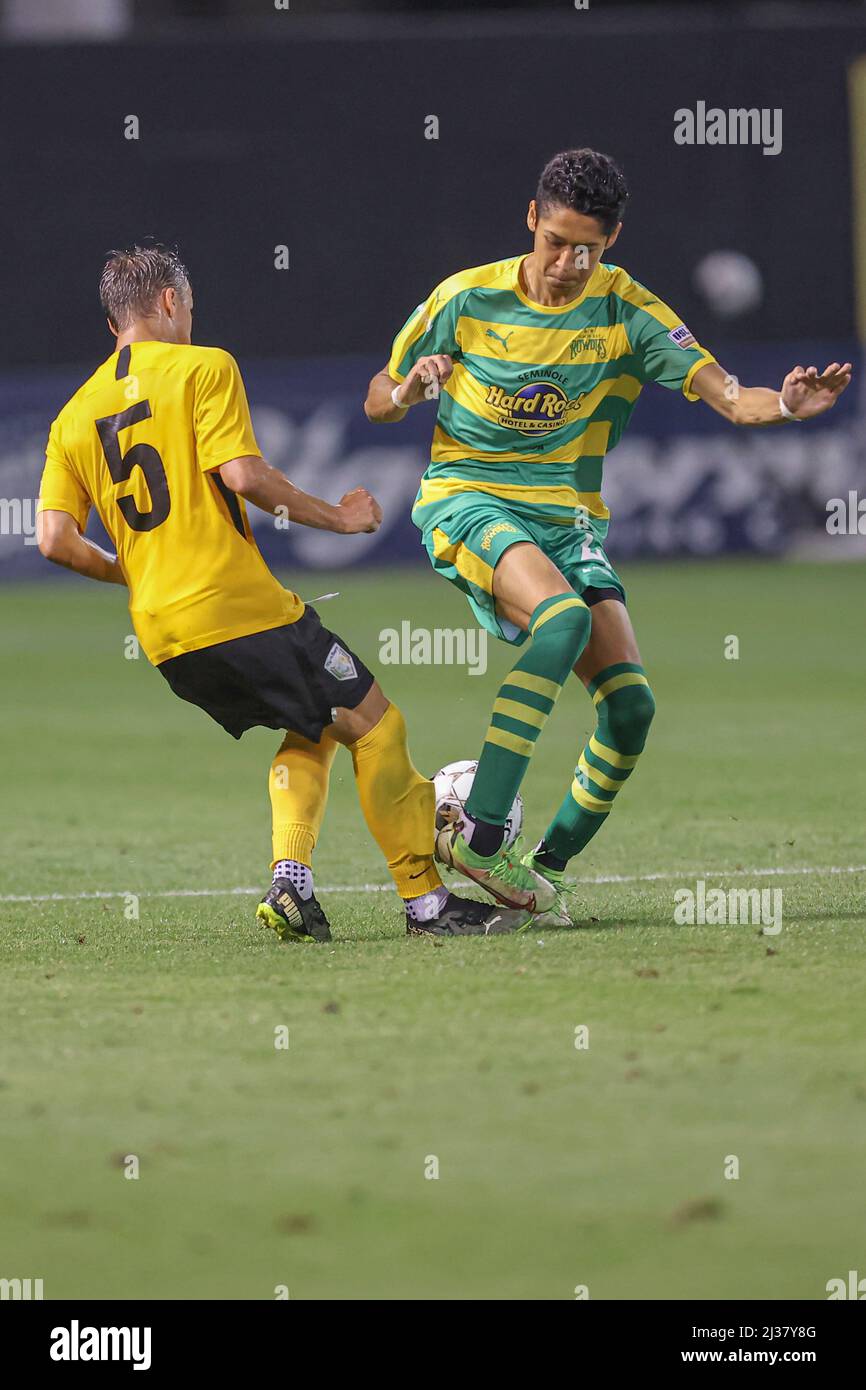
[{"x": 682, "y": 337}]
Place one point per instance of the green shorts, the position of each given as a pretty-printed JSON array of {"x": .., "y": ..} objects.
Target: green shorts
[{"x": 466, "y": 542}]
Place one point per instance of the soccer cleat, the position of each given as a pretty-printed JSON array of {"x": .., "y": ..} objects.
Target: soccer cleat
[
  {"x": 463, "y": 917},
  {"x": 292, "y": 917},
  {"x": 560, "y": 915},
  {"x": 502, "y": 876}
]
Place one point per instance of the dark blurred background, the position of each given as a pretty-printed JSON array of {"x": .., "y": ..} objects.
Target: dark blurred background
[{"x": 305, "y": 127}]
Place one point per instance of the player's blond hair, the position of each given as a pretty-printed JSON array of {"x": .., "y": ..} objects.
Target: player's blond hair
[{"x": 132, "y": 279}]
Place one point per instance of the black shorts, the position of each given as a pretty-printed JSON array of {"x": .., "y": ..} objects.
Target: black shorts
[
  {"x": 594, "y": 595},
  {"x": 290, "y": 677}
]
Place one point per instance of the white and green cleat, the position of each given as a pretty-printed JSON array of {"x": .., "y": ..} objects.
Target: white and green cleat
[
  {"x": 561, "y": 914},
  {"x": 501, "y": 875}
]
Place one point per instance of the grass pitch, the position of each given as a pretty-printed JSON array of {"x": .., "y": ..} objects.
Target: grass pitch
[{"x": 558, "y": 1166}]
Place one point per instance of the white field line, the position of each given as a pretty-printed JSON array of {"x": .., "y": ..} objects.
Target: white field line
[{"x": 680, "y": 876}]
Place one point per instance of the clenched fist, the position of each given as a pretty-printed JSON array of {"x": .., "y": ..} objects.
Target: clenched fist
[{"x": 358, "y": 511}]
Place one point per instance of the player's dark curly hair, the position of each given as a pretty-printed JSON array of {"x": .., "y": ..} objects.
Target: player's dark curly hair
[
  {"x": 587, "y": 182},
  {"x": 131, "y": 280}
]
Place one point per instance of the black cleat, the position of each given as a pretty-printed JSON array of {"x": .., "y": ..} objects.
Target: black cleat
[
  {"x": 292, "y": 917},
  {"x": 463, "y": 917}
]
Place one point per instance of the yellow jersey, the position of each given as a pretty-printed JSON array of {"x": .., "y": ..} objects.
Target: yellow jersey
[{"x": 142, "y": 441}]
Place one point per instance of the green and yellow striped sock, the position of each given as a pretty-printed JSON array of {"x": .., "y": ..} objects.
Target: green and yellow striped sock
[
  {"x": 625, "y": 705},
  {"x": 559, "y": 629}
]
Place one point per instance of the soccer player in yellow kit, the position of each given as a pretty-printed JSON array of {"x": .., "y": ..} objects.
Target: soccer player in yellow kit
[
  {"x": 537, "y": 362},
  {"x": 159, "y": 440}
]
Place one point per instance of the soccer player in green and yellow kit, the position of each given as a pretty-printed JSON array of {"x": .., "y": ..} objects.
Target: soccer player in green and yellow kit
[
  {"x": 537, "y": 362},
  {"x": 160, "y": 441}
]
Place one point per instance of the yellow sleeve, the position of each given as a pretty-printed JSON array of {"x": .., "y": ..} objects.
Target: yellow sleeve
[
  {"x": 223, "y": 428},
  {"x": 61, "y": 490}
]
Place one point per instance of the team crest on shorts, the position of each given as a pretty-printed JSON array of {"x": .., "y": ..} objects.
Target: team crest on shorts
[
  {"x": 340, "y": 665},
  {"x": 487, "y": 538}
]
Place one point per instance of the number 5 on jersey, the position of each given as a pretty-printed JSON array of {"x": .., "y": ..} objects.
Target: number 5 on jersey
[{"x": 142, "y": 456}]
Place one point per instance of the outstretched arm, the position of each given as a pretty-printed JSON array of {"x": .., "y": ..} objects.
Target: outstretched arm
[
  {"x": 805, "y": 393},
  {"x": 266, "y": 487}
]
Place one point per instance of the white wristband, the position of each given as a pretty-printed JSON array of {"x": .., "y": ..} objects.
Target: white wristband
[
  {"x": 788, "y": 414},
  {"x": 401, "y": 405}
]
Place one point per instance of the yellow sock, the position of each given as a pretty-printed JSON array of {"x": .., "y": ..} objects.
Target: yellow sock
[
  {"x": 398, "y": 804},
  {"x": 298, "y": 786}
]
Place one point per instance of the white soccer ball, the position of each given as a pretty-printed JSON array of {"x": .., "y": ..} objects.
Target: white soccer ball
[
  {"x": 730, "y": 282},
  {"x": 452, "y": 785}
]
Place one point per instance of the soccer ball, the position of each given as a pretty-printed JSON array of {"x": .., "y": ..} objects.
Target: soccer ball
[{"x": 452, "y": 785}]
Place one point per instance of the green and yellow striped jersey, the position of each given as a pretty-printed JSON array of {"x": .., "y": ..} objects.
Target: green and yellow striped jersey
[{"x": 539, "y": 395}]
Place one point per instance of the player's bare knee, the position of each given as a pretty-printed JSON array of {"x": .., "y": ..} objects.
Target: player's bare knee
[{"x": 351, "y": 724}]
